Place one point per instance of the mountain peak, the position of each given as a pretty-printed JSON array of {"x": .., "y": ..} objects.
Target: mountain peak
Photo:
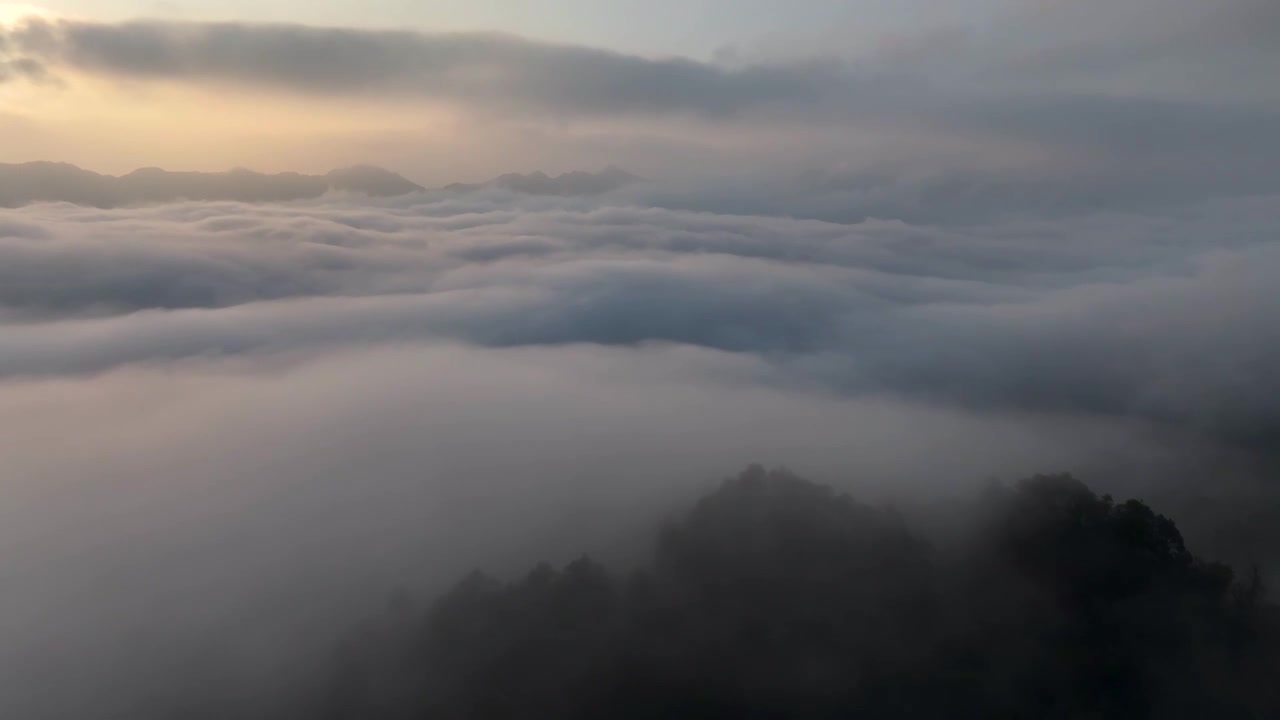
[{"x": 371, "y": 180}]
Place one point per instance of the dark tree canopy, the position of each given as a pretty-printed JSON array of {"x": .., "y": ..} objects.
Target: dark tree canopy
[{"x": 778, "y": 598}]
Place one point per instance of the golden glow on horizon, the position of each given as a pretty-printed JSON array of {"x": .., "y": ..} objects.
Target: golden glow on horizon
[
  {"x": 11, "y": 13},
  {"x": 112, "y": 126}
]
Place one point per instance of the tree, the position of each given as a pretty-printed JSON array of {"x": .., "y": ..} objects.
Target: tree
[{"x": 776, "y": 597}]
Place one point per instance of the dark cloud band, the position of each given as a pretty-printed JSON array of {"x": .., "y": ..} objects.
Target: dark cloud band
[{"x": 489, "y": 68}]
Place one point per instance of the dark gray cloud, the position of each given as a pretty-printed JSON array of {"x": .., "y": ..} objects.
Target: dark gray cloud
[
  {"x": 1078, "y": 52},
  {"x": 1137, "y": 48},
  {"x": 489, "y": 68},
  {"x": 1085, "y": 47},
  {"x": 1177, "y": 48},
  {"x": 21, "y": 69},
  {"x": 968, "y": 197}
]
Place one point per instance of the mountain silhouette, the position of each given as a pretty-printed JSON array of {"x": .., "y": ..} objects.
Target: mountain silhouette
[
  {"x": 540, "y": 183},
  {"x": 34, "y": 182},
  {"x": 25, "y": 183},
  {"x": 775, "y": 597}
]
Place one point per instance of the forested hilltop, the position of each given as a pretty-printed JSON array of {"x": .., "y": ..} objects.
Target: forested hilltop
[{"x": 775, "y": 597}]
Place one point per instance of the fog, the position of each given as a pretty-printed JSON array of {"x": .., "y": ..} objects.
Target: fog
[
  {"x": 232, "y": 429},
  {"x": 206, "y": 543},
  {"x": 1105, "y": 313},
  {"x": 242, "y": 409}
]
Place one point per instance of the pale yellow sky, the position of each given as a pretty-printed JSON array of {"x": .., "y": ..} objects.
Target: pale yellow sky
[
  {"x": 114, "y": 125},
  {"x": 10, "y": 12}
]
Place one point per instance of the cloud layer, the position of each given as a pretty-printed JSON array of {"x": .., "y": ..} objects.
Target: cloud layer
[
  {"x": 1049, "y": 245},
  {"x": 219, "y": 409},
  {"x": 490, "y": 68},
  {"x": 1108, "y": 314},
  {"x": 190, "y": 536}
]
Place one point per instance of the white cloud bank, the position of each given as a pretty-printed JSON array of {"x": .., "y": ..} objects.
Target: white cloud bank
[
  {"x": 228, "y": 425},
  {"x": 1106, "y": 314}
]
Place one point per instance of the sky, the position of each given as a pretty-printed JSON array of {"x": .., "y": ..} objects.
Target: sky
[
  {"x": 444, "y": 92},
  {"x": 902, "y": 248},
  {"x": 697, "y": 30},
  {"x": 656, "y": 27}
]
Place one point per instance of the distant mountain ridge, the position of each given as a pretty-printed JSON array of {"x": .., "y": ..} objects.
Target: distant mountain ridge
[
  {"x": 24, "y": 183},
  {"x": 33, "y": 182},
  {"x": 570, "y": 183}
]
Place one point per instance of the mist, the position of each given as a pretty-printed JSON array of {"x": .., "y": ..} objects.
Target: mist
[
  {"x": 205, "y": 549},
  {"x": 234, "y": 428},
  {"x": 985, "y": 308}
]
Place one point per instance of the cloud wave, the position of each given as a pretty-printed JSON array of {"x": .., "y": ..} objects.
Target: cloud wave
[{"x": 1105, "y": 314}]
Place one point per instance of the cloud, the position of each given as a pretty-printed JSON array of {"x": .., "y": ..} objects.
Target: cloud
[
  {"x": 1048, "y": 108},
  {"x": 1135, "y": 48},
  {"x": 1085, "y": 46},
  {"x": 21, "y": 68},
  {"x": 1103, "y": 314},
  {"x": 486, "y": 67},
  {"x": 232, "y": 427},
  {"x": 194, "y": 535}
]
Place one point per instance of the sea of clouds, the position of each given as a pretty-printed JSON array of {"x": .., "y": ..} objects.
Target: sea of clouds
[{"x": 232, "y": 428}]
